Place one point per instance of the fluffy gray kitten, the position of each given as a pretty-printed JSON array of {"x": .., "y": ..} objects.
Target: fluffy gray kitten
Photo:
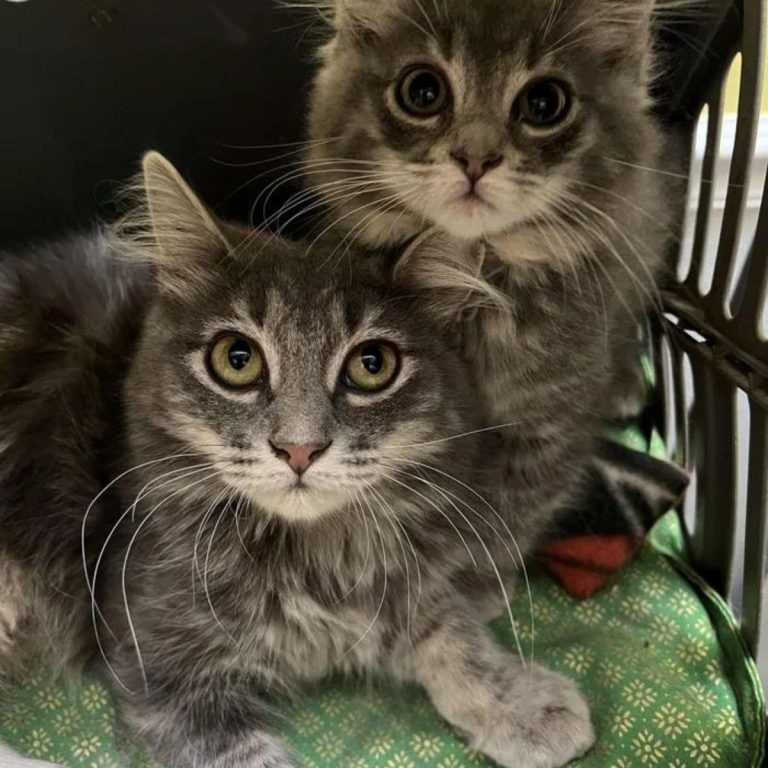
[
  {"x": 515, "y": 142},
  {"x": 283, "y": 496}
]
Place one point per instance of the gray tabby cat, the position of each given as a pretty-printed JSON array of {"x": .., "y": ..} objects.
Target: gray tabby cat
[
  {"x": 274, "y": 440},
  {"x": 515, "y": 142}
]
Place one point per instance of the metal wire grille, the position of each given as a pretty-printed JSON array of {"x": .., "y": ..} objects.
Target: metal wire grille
[{"x": 713, "y": 352}]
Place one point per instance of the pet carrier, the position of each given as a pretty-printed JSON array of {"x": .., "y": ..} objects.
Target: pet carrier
[{"x": 666, "y": 655}]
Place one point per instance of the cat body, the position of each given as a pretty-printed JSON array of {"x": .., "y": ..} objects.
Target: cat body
[
  {"x": 69, "y": 314},
  {"x": 515, "y": 142},
  {"x": 247, "y": 471}
]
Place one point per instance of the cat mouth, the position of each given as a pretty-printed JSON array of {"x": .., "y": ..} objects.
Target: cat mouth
[
  {"x": 473, "y": 200},
  {"x": 302, "y": 501}
]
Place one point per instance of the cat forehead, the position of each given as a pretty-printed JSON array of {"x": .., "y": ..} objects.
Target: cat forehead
[
  {"x": 496, "y": 35},
  {"x": 291, "y": 295}
]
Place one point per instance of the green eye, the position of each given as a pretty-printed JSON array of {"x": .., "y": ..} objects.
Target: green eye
[
  {"x": 371, "y": 367},
  {"x": 236, "y": 362},
  {"x": 423, "y": 92}
]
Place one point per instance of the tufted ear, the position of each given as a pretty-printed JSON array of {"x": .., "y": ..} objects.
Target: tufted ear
[
  {"x": 623, "y": 32},
  {"x": 364, "y": 18},
  {"x": 448, "y": 272},
  {"x": 179, "y": 234}
]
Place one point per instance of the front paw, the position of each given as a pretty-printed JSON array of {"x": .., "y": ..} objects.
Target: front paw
[{"x": 541, "y": 720}]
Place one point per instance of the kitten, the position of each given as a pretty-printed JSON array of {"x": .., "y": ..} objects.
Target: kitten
[
  {"x": 274, "y": 440},
  {"x": 515, "y": 142}
]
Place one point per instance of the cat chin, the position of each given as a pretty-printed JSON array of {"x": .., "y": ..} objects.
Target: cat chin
[
  {"x": 301, "y": 504},
  {"x": 469, "y": 219}
]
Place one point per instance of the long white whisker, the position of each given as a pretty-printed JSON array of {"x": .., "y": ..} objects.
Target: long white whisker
[
  {"x": 95, "y": 612},
  {"x": 457, "y": 437},
  {"x": 383, "y": 591},
  {"x": 481, "y": 541},
  {"x": 359, "y": 509},
  {"x": 520, "y": 559},
  {"x": 207, "y": 560},
  {"x": 96, "y": 498},
  {"x": 123, "y": 578},
  {"x": 394, "y": 521},
  {"x": 408, "y": 615},
  {"x": 438, "y": 509}
]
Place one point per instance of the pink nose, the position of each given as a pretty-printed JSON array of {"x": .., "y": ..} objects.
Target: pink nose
[
  {"x": 299, "y": 457},
  {"x": 476, "y": 166}
]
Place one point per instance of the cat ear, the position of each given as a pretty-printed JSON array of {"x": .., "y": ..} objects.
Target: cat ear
[
  {"x": 187, "y": 239},
  {"x": 447, "y": 271},
  {"x": 364, "y": 18},
  {"x": 624, "y": 33}
]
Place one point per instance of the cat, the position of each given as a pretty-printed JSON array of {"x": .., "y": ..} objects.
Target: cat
[
  {"x": 248, "y": 469},
  {"x": 515, "y": 143}
]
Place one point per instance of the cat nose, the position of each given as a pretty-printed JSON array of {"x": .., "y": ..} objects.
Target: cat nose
[
  {"x": 476, "y": 166},
  {"x": 299, "y": 457}
]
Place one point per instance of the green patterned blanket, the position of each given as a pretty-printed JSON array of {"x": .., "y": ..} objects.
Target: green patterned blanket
[{"x": 657, "y": 655}]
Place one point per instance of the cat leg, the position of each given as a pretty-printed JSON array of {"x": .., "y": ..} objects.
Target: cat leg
[
  {"x": 11, "y": 759},
  {"x": 212, "y": 722},
  {"x": 14, "y": 604},
  {"x": 519, "y": 716},
  {"x": 627, "y": 392}
]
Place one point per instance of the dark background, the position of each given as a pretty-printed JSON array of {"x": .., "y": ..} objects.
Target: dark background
[{"x": 85, "y": 87}]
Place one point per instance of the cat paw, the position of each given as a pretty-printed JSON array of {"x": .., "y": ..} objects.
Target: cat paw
[
  {"x": 628, "y": 394},
  {"x": 542, "y": 721}
]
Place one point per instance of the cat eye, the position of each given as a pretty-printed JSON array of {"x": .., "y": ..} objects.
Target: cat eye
[
  {"x": 423, "y": 92},
  {"x": 543, "y": 104},
  {"x": 371, "y": 367},
  {"x": 236, "y": 362}
]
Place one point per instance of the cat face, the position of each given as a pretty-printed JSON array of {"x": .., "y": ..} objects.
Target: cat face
[
  {"x": 477, "y": 117},
  {"x": 301, "y": 384}
]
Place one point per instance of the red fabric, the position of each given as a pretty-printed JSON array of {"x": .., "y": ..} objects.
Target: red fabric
[{"x": 586, "y": 564}]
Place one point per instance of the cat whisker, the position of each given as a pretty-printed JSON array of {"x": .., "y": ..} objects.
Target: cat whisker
[
  {"x": 351, "y": 177},
  {"x": 274, "y": 158},
  {"x": 387, "y": 514},
  {"x": 349, "y": 180},
  {"x": 432, "y": 503},
  {"x": 306, "y": 167},
  {"x": 345, "y": 216},
  {"x": 502, "y": 586},
  {"x": 107, "y": 487},
  {"x": 428, "y": 20},
  {"x": 236, "y": 513},
  {"x": 555, "y": 7},
  {"x": 438, "y": 13},
  {"x": 298, "y": 146},
  {"x": 603, "y": 269},
  {"x": 440, "y": 440},
  {"x": 358, "y": 508},
  {"x": 95, "y": 611},
  {"x": 396, "y": 521},
  {"x": 646, "y": 292},
  {"x": 624, "y": 200},
  {"x": 380, "y": 607},
  {"x": 581, "y": 220},
  {"x": 662, "y": 172},
  {"x": 578, "y": 244},
  {"x": 206, "y": 589},
  {"x": 520, "y": 561},
  {"x": 124, "y": 570},
  {"x": 196, "y": 570},
  {"x": 355, "y": 232},
  {"x": 542, "y": 230},
  {"x": 410, "y": 20},
  {"x": 345, "y": 192}
]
